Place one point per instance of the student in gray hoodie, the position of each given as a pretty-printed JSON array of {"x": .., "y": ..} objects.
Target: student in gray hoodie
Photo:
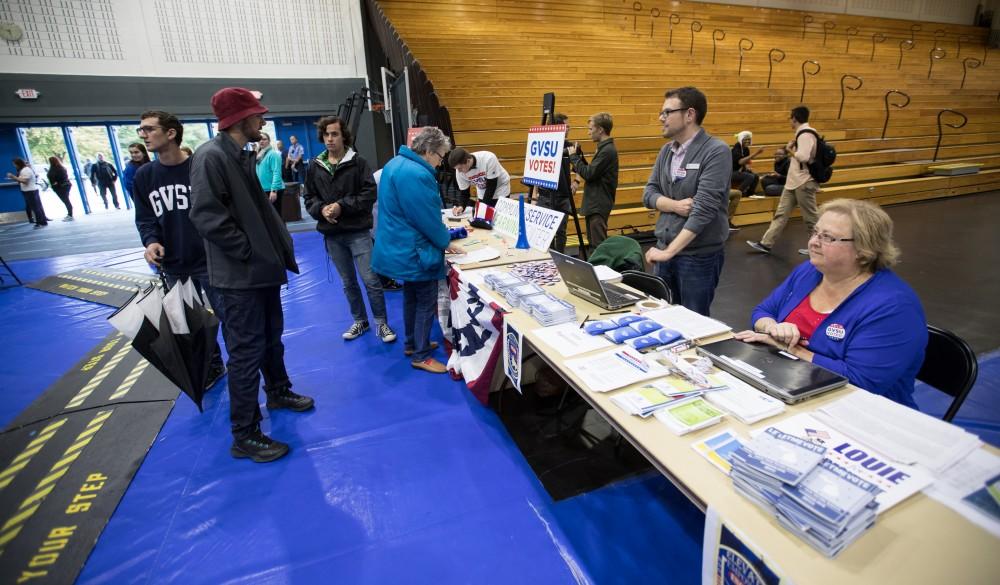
[{"x": 689, "y": 185}]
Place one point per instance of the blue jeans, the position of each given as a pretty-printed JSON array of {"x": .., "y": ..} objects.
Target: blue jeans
[
  {"x": 692, "y": 279},
  {"x": 252, "y": 326},
  {"x": 419, "y": 311},
  {"x": 350, "y": 250}
]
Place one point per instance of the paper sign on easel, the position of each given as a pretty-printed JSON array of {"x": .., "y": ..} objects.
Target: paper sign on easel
[
  {"x": 542, "y": 223},
  {"x": 543, "y": 158},
  {"x": 411, "y": 133}
]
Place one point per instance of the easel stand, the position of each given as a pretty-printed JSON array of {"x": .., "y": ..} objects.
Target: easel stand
[{"x": 548, "y": 109}]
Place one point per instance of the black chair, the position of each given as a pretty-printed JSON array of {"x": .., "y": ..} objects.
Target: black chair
[
  {"x": 950, "y": 366},
  {"x": 651, "y": 285}
]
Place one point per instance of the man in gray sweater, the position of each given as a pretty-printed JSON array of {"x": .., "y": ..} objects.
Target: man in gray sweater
[{"x": 689, "y": 185}]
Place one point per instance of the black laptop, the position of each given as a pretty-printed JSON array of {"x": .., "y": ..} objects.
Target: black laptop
[
  {"x": 581, "y": 280},
  {"x": 766, "y": 368}
]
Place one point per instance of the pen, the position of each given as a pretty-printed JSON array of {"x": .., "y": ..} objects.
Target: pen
[
  {"x": 616, "y": 312},
  {"x": 584, "y": 322}
]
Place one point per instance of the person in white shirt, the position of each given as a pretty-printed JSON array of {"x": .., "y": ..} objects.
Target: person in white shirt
[
  {"x": 800, "y": 186},
  {"x": 29, "y": 190},
  {"x": 482, "y": 169}
]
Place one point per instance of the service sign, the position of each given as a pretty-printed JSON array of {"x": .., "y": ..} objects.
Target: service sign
[
  {"x": 540, "y": 222},
  {"x": 543, "y": 159},
  {"x": 411, "y": 133}
]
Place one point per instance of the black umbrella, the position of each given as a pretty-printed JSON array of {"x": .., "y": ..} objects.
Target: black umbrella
[{"x": 183, "y": 358}]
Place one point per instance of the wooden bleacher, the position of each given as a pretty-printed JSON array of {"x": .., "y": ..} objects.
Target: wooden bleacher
[{"x": 491, "y": 60}]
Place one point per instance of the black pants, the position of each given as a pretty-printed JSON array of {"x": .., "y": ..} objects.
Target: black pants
[
  {"x": 212, "y": 294},
  {"x": 597, "y": 230},
  {"x": 747, "y": 182},
  {"x": 773, "y": 184},
  {"x": 252, "y": 326},
  {"x": 63, "y": 193},
  {"x": 557, "y": 202},
  {"x": 33, "y": 207},
  {"x": 104, "y": 194}
]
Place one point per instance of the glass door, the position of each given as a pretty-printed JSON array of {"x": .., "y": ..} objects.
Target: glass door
[
  {"x": 88, "y": 142},
  {"x": 45, "y": 143}
]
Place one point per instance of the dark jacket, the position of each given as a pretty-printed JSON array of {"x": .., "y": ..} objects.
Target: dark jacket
[
  {"x": 246, "y": 242},
  {"x": 781, "y": 166},
  {"x": 103, "y": 173},
  {"x": 58, "y": 178},
  {"x": 601, "y": 175},
  {"x": 564, "y": 187},
  {"x": 349, "y": 183}
]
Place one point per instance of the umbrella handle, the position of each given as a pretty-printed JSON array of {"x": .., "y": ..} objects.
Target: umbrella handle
[{"x": 163, "y": 279}]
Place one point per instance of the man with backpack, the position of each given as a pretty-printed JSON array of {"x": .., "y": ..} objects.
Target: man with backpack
[{"x": 805, "y": 173}]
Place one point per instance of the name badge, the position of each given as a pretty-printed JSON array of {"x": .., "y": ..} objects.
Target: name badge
[
  {"x": 680, "y": 173},
  {"x": 836, "y": 332},
  {"x": 693, "y": 166}
]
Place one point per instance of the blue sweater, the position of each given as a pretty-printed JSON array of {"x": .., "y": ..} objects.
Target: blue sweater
[
  {"x": 876, "y": 337},
  {"x": 410, "y": 238},
  {"x": 269, "y": 171}
]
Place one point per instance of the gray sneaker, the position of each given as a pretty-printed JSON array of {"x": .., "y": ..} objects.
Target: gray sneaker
[
  {"x": 356, "y": 330},
  {"x": 758, "y": 246}
]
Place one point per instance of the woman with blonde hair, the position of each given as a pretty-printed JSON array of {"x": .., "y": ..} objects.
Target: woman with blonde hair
[{"x": 845, "y": 309}]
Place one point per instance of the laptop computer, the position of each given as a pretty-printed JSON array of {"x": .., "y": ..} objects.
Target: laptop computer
[
  {"x": 581, "y": 280},
  {"x": 768, "y": 369}
]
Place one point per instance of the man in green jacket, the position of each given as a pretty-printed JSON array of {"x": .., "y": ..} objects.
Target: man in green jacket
[{"x": 601, "y": 175}]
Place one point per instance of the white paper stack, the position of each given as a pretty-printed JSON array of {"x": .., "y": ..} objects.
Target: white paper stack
[
  {"x": 501, "y": 281},
  {"x": 904, "y": 434},
  {"x": 692, "y": 325},
  {"x": 742, "y": 400}
]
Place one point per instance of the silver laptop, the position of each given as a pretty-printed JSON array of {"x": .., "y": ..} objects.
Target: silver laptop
[
  {"x": 775, "y": 372},
  {"x": 581, "y": 280}
]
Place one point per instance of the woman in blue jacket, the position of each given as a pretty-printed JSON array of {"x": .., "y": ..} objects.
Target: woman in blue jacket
[
  {"x": 411, "y": 239},
  {"x": 269, "y": 170},
  {"x": 845, "y": 309}
]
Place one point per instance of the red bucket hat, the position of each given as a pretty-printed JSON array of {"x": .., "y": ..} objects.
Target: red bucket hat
[{"x": 232, "y": 104}]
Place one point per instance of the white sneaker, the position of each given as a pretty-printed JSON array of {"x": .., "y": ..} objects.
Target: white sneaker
[
  {"x": 803, "y": 251},
  {"x": 384, "y": 333}
]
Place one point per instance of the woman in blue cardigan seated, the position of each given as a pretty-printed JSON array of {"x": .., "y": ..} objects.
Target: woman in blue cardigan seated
[{"x": 845, "y": 309}]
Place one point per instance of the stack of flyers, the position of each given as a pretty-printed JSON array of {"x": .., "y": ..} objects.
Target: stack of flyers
[
  {"x": 742, "y": 400},
  {"x": 719, "y": 449},
  {"x": 501, "y": 281},
  {"x": 515, "y": 294},
  {"x": 829, "y": 508},
  {"x": 689, "y": 414},
  {"x": 762, "y": 467},
  {"x": 655, "y": 395},
  {"x": 549, "y": 310}
]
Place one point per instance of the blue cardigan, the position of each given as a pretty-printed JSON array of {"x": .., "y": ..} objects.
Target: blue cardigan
[
  {"x": 410, "y": 238},
  {"x": 876, "y": 337}
]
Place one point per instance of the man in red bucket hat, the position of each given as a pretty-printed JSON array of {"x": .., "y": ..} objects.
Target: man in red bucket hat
[{"x": 249, "y": 250}]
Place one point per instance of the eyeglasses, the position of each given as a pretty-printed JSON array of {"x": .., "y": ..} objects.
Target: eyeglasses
[
  {"x": 147, "y": 129},
  {"x": 825, "y": 238},
  {"x": 666, "y": 113},
  {"x": 441, "y": 156}
]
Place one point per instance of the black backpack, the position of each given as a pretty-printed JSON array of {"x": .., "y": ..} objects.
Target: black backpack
[{"x": 821, "y": 168}]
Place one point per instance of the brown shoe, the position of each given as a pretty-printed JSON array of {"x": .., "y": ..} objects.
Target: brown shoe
[
  {"x": 409, "y": 352},
  {"x": 430, "y": 365}
]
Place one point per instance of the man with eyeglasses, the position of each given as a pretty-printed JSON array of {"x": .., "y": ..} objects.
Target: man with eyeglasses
[
  {"x": 689, "y": 186},
  {"x": 249, "y": 250},
  {"x": 161, "y": 190},
  {"x": 800, "y": 187}
]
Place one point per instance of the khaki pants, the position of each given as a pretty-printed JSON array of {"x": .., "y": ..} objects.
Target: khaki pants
[{"x": 805, "y": 197}]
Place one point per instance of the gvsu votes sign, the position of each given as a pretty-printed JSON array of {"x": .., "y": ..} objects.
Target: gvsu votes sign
[{"x": 543, "y": 159}]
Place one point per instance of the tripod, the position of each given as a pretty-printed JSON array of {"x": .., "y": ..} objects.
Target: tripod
[{"x": 548, "y": 109}]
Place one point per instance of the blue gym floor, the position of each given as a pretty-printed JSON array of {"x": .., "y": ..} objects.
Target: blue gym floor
[{"x": 397, "y": 477}]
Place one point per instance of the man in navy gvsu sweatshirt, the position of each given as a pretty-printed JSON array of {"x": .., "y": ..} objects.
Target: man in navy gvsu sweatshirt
[{"x": 162, "y": 194}]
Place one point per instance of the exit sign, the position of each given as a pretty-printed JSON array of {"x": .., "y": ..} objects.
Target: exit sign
[{"x": 27, "y": 94}]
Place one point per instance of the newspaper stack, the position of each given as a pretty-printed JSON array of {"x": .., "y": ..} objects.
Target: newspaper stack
[
  {"x": 549, "y": 310},
  {"x": 824, "y": 504}
]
